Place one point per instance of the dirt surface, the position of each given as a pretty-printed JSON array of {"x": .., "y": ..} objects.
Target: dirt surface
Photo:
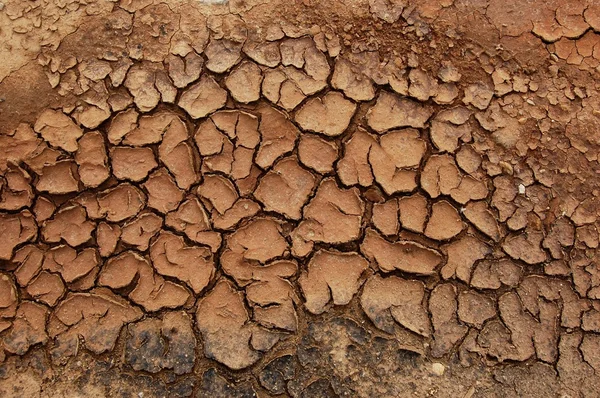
[{"x": 382, "y": 198}]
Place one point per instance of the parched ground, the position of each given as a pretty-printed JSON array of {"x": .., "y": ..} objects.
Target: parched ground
[{"x": 343, "y": 198}]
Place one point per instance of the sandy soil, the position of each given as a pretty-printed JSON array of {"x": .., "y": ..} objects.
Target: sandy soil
[{"x": 382, "y": 198}]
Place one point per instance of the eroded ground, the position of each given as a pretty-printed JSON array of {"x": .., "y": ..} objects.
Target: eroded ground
[{"x": 305, "y": 199}]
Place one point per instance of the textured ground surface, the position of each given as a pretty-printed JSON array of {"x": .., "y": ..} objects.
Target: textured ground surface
[{"x": 381, "y": 198}]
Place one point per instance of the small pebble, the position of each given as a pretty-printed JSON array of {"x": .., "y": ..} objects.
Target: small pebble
[{"x": 438, "y": 369}]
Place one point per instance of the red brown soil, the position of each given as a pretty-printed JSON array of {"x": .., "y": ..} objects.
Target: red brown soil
[{"x": 306, "y": 199}]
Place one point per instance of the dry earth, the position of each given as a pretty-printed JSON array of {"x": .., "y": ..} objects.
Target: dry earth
[{"x": 344, "y": 198}]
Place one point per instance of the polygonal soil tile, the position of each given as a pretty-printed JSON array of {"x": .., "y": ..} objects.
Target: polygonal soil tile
[
  {"x": 391, "y": 111},
  {"x": 440, "y": 175},
  {"x": 15, "y": 189},
  {"x": 156, "y": 344},
  {"x": 413, "y": 212},
  {"x": 151, "y": 291},
  {"x": 443, "y": 306},
  {"x": 203, "y": 98},
  {"x": 354, "y": 167},
  {"x": 278, "y": 136},
  {"x": 29, "y": 259},
  {"x": 244, "y": 82},
  {"x": 184, "y": 71},
  {"x": 317, "y": 153},
  {"x": 333, "y": 215},
  {"x": 468, "y": 159},
  {"x": 331, "y": 276},
  {"x": 444, "y": 222},
  {"x": 380, "y": 301},
  {"x": 260, "y": 240},
  {"x": 69, "y": 224},
  {"x": 481, "y": 216},
  {"x": 43, "y": 209},
  {"x": 218, "y": 192},
  {"x": 59, "y": 178},
  {"x": 47, "y": 288},
  {"x": 16, "y": 229},
  {"x": 329, "y": 115},
  {"x": 209, "y": 139},
  {"x": 192, "y": 219},
  {"x": 479, "y": 95},
  {"x": 140, "y": 83},
  {"x": 140, "y": 230},
  {"x": 222, "y": 54},
  {"x": 18, "y": 145},
  {"x": 58, "y": 130},
  {"x": 266, "y": 54},
  {"x": 172, "y": 257},
  {"x": 150, "y": 129},
  {"x": 8, "y": 297},
  {"x": 177, "y": 154},
  {"x": 422, "y": 86},
  {"x": 132, "y": 164},
  {"x": 163, "y": 193},
  {"x": 241, "y": 209},
  {"x": 268, "y": 292},
  {"x": 462, "y": 256},
  {"x": 352, "y": 82},
  {"x": 492, "y": 274},
  {"x": 84, "y": 314},
  {"x": 403, "y": 255},
  {"x": 285, "y": 188},
  {"x": 28, "y": 328},
  {"x": 120, "y": 203},
  {"x": 107, "y": 237},
  {"x": 121, "y": 125},
  {"x": 223, "y": 321},
  {"x": 92, "y": 160},
  {"x": 69, "y": 263},
  {"x": 445, "y": 136},
  {"x": 385, "y": 217},
  {"x": 475, "y": 308},
  {"x": 526, "y": 246},
  {"x": 397, "y": 150}
]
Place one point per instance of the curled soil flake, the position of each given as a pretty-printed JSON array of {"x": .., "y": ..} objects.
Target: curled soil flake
[
  {"x": 331, "y": 276},
  {"x": 70, "y": 263},
  {"x": 16, "y": 229},
  {"x": 69, "y": 224},
  {"x": 444, "y": 222},
  {"x": 192, "y": 265},
  {"x": 244, "y": 82},
  {"x": 132, "y": 164},
  {"x": 58, "y": 130},
  {"x": 120, "y": 203},
  {"x": 58, "y": 178},
  {"x": 85, "y": 314},
  {"x": 163, "y": 193},
  {"x": 285, "y": 188},
  {"x": 403, "y": 255},
  {"x": 443, "y": 307},
  {"x": 28, "y": 328},
  {"x": 92, "y": 160},
  {"x": 391, "y": 111},
  {"x": 151, "y": 291},
  {"x": 334, "y": 215},
  {"x": 203, "y": 98},
  {"x": 385, "y": 307},
  {"x": 329, "y": 115},
  {"x": 223, "y": 321}
]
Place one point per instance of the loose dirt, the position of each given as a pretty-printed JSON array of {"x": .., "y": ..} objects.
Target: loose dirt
[{"x": 371, "y": 198}]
